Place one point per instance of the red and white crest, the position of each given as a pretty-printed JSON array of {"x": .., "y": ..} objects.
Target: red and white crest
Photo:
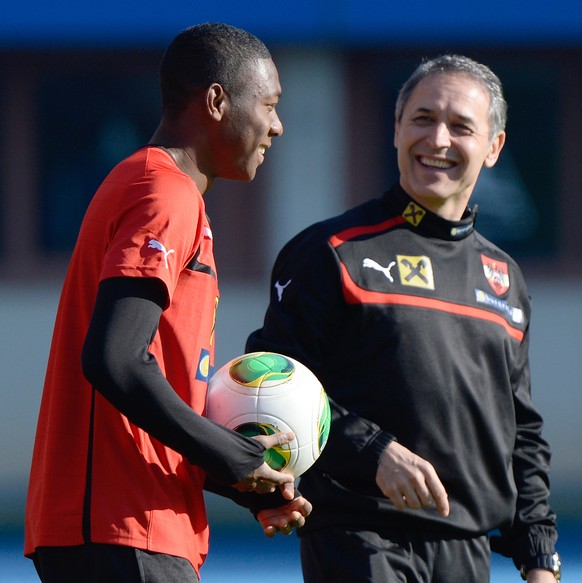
[{"x": 496, "y": 273}]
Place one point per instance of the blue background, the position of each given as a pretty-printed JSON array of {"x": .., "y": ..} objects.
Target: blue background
[{"x": 123, "y": 22}]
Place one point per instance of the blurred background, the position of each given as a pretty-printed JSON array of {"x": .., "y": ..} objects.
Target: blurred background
[{"x": 79, "y": 91}]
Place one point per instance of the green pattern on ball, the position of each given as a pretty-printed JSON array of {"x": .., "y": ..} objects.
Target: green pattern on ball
[
  {"x": 276, "y": 457},
  {"x": 324, "y": 422},
  {"x": 253, "y": 370}
]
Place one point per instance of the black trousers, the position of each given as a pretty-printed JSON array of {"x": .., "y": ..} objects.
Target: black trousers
[
  {"x": 331, "y": 555},
  {"x": 98, "y": 563}
]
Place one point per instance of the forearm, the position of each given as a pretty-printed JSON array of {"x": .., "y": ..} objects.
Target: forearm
[
  {"x": 116, "y": 361},
  {"x": 354, "y": 447}
]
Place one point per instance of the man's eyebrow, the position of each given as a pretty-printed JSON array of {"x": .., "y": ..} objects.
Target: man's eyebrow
[
  {"x": 464, "y": 118},
  {"x": 458, "y": 116},
  {"x": 423, "y": 110}
]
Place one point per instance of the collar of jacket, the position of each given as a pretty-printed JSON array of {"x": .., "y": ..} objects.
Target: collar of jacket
[{"x": 424, "y": 221}]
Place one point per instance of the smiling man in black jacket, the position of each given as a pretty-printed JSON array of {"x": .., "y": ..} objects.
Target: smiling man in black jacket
[{"x": 418, "y": 328}]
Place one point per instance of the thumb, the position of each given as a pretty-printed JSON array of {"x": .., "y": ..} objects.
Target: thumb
[{"x": 278, "y": 438}]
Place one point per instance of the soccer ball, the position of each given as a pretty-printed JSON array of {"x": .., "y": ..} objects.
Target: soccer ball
[{"x": 260, "y": 393}]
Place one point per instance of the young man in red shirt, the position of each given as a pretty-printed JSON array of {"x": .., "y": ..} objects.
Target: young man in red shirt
[{"x": 123, "y": 452}]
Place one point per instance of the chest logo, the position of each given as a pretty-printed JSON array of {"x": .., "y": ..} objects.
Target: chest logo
[
  {"x": 203, "y": 371},
  {"x": 414, "y": 214},
  {"x": 375, "y": 265},
  {"x": 415, "y": 270},
  {"x": 496, "y": 274}
]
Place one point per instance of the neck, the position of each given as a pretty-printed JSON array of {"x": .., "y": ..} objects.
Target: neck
[{"x": 183, "y": 155}]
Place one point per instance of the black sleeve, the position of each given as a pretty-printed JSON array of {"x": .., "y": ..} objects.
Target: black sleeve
[
  {"x": 118, "y": 364},
  {"x": 533, "y": 531}
]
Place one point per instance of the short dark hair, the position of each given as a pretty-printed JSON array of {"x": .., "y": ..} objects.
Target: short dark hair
[
  {"x": 461, "y": 65},
  {"x": 204, "y": 54}
]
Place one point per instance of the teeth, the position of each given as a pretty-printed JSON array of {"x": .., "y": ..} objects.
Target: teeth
[
  {"x": 443, "y": 164},
  {"x": 262, "y": 149}
]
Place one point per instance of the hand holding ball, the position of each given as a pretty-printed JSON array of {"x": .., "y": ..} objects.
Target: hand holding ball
[{"x": 261, "y": 393}]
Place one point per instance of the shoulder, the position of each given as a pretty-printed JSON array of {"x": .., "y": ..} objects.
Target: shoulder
[
  {"x": 319, "y": 234},
  {"x": 150, "y": 178},
  {"x": 500, "y": 266},
  {"x": 311, "y": 255},
  {"x": 487, "y": 247}
]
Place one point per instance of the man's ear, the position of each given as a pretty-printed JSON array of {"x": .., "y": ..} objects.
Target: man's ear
[
  {"x": 495, "y": 150},
  {"x": 216, "y": 101}
]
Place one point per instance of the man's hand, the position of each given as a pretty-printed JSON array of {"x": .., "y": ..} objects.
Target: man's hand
[
  {"x": 265, "y": 479},
  {"x": 410, "y": 481},
  {"x": 285, "y": 518}
]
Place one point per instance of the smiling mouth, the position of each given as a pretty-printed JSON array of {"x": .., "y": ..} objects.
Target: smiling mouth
[{"x": 434, "y": 163}]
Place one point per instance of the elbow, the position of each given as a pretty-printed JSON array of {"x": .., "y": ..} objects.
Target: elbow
[
  {"x": 105, "y": 377},
  {"x": 112, "y": 373},
  {"x": 103, "y": 372},
  {"x": 94, "y": 366}
]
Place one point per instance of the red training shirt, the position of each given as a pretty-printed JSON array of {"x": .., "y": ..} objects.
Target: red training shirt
[{"x": 146, "y": 220}]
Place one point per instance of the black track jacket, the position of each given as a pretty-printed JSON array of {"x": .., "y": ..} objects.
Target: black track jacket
[{"x": 418, "y": 329}]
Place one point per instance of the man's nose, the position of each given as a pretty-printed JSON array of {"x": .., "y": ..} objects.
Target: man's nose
[{"x": 440, "y": 136}]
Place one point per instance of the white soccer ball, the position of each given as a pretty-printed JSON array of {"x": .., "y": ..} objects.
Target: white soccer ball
[{"x": 261, "y": 393}]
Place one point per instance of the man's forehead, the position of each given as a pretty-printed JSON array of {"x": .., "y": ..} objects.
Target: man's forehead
[
  {"x": 462, "y": 82},
  {"x": 448, "y": 87},
  {"x": 263, "y": 74}
]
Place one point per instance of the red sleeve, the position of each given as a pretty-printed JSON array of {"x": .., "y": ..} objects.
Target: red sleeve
[{"x": 157, "y": 229}]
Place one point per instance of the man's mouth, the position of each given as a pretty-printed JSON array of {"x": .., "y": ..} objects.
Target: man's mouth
[{"x": 436, "y": 163}]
